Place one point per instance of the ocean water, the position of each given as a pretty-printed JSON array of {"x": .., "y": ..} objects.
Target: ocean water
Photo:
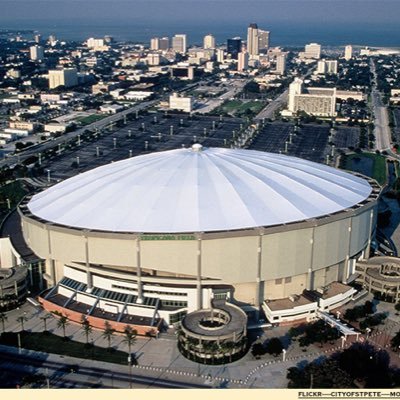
[
  {"x": 292, "y": 23},
  {"x": 282, "y": 34}
]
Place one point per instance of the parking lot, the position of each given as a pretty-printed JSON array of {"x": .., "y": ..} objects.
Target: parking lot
[
  {"x": 148, "y": 133},
  {"x": 309, "y": 141},
  {"x": 346, "y": 136}
]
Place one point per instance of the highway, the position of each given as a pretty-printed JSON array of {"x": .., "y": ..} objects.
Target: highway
[
  {"x": 382, "y": 130},
  {"x": 40, "y": 148},
  {"x": 271, "y": 108}
]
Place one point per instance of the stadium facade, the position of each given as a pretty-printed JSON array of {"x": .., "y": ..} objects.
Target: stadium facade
[{"x": 154, "y": 237}]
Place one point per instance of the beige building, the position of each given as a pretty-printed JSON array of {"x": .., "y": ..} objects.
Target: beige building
[
  {"x": 348, "y": 52},
  {"x": 243, "y": 61},
  {"x": 36, "y": 53},
  {"x": 263, "y": 40},
  {"x": 252, "y": 40},
  {"x": 312, "y": 50},
  {"x": 67, "y": 77},
  {"x": 281, "y": 64},
  {"x": 179, "y": 43},
  {"x": 181, "y": 103},
  {"x": 209, "y": 41}
]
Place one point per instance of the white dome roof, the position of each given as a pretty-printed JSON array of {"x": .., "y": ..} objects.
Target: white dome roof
[{"x": 196, "y": 190}]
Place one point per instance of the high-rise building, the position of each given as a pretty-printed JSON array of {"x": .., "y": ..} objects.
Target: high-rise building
[
  {"x": 263, "y": 40},
  {"x": 348, "y": 52},
  {"x": 295, "y": 88},
  {"x": 209, "y": 42},
  {"x": 52, "y": 40},
  {"x": 37, "y": 38},
  {"x": 179, "y": 43},
  {"x": 163, "y": 43},
  {"x": 36, "y": 53},
  {"x": 154, "y": 43},
  {"x": 243, "y": 61},
  {"x": 281, "y": 64},
  {"x": 312, "y": 50},
  {"x": 252, "y": 40},
  {"x": 220, "y": 55},
  {"x": 327, "y": 67},
  {"x": 67, "y": 77},
  {"x": 234, "y": 47}
]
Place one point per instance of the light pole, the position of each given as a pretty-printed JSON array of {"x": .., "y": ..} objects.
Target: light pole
[
  {"x": 48, "y": 175},
  {"x": 283, "y": 355},
  {"x": 130, "y": 371}
]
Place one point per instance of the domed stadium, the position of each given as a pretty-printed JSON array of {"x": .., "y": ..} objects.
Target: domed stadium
[{"x": 149, "y": 239}]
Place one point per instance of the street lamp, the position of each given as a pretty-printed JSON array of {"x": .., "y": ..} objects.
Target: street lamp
[
  {"x": 48, "y": 175},
  {"x": 130, "y": 371}
]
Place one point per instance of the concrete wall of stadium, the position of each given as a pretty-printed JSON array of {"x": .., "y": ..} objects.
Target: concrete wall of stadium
[{"x": 262, "y": 263}]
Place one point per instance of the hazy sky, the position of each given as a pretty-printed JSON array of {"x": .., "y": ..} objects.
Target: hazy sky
[{"x": 373, "y": 11}]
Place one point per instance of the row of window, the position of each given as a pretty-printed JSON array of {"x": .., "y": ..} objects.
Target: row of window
[
  {"x": 280, "y": 280},
  {"x": 173, "y": 303},
  {"x": 150, "y": 291}
]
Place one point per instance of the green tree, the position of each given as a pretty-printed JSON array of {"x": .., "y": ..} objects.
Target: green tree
[
  {"x": 44, "y": 318},
  {"x": 62, "y": 323},
  {"x": 130, "y": 337},
  {"x": 108, "y": 333},
  {"x": 86, "y": 327},
  {"x": 274, "y": 346}
]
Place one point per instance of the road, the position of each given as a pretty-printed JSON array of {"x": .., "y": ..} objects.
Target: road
[
  {"x": 211, "y": 104},
  {"x": 382, "y": 130},
  {"x": 40, "y": 148},
  {"x": 276, "y": 104},
  {"x": 88, "y": 374}
]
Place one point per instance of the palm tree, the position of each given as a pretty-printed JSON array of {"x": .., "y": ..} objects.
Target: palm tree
[
  {"x": 62, "y": 323},
  {"x": 130, "y": 337},
  {"x": 21, "y": 319},
  {"x": 86, "y": 327},
  {"x": 108, "y": 333},
  {"x": 3, "y": 318},
  {"x": 44, "y": 319}
]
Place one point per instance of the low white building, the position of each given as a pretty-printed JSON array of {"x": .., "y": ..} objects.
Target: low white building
[
  {"x": 181, "y": 103},
  {"x": 111, "y": 108}
]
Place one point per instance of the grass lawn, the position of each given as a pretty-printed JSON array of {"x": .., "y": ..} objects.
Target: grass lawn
[
  {"x": 49, "y": 343},
  {"x": 378, "y": 171},
  {"x": 90, "y": 119},
  {"x": 240, "y": 108}
]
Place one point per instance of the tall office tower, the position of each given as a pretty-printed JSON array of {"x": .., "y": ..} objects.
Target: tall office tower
[
  {"x": 52, "y": 40},
  {"x": 36, "y": 53},
  {"x": 252, "y": 40},
  {"x": 321, "y": 67},
  {"x": 263, "y": 40},
  {"x": 37, "y": 38},
  {"x": 295, "y": 88},
  {"x": 348, "y": 52},
  {"x": 281, "y": 64},
  {"x": 67, "y": 77},
  {"x": 179, "y": 43},
  {"x": 312, "y": 50},
  {"x": 155, "y": 43},
  {"x": 209, "y": 42},
  {"x": 234, "y": 47},
  {"x": 163, "y": 43},
  {"x": 243, "y": 61},
  {"x": 331, "y": 66},
  {"x": 220, "y": 55}
]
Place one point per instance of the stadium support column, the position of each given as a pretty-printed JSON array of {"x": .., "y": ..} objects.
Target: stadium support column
[
  {"x": 368, "y": 248},
  {"x": 310, "y": 273},
  {"x": 346, "y": 272},
  {"x": 89, "y": 278},
  {"x": 198, "y": 286},
  {"x": 50, "y": 260},
  {"x": 258, "y": 300},
  {"x": 139, "y": 272}
]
